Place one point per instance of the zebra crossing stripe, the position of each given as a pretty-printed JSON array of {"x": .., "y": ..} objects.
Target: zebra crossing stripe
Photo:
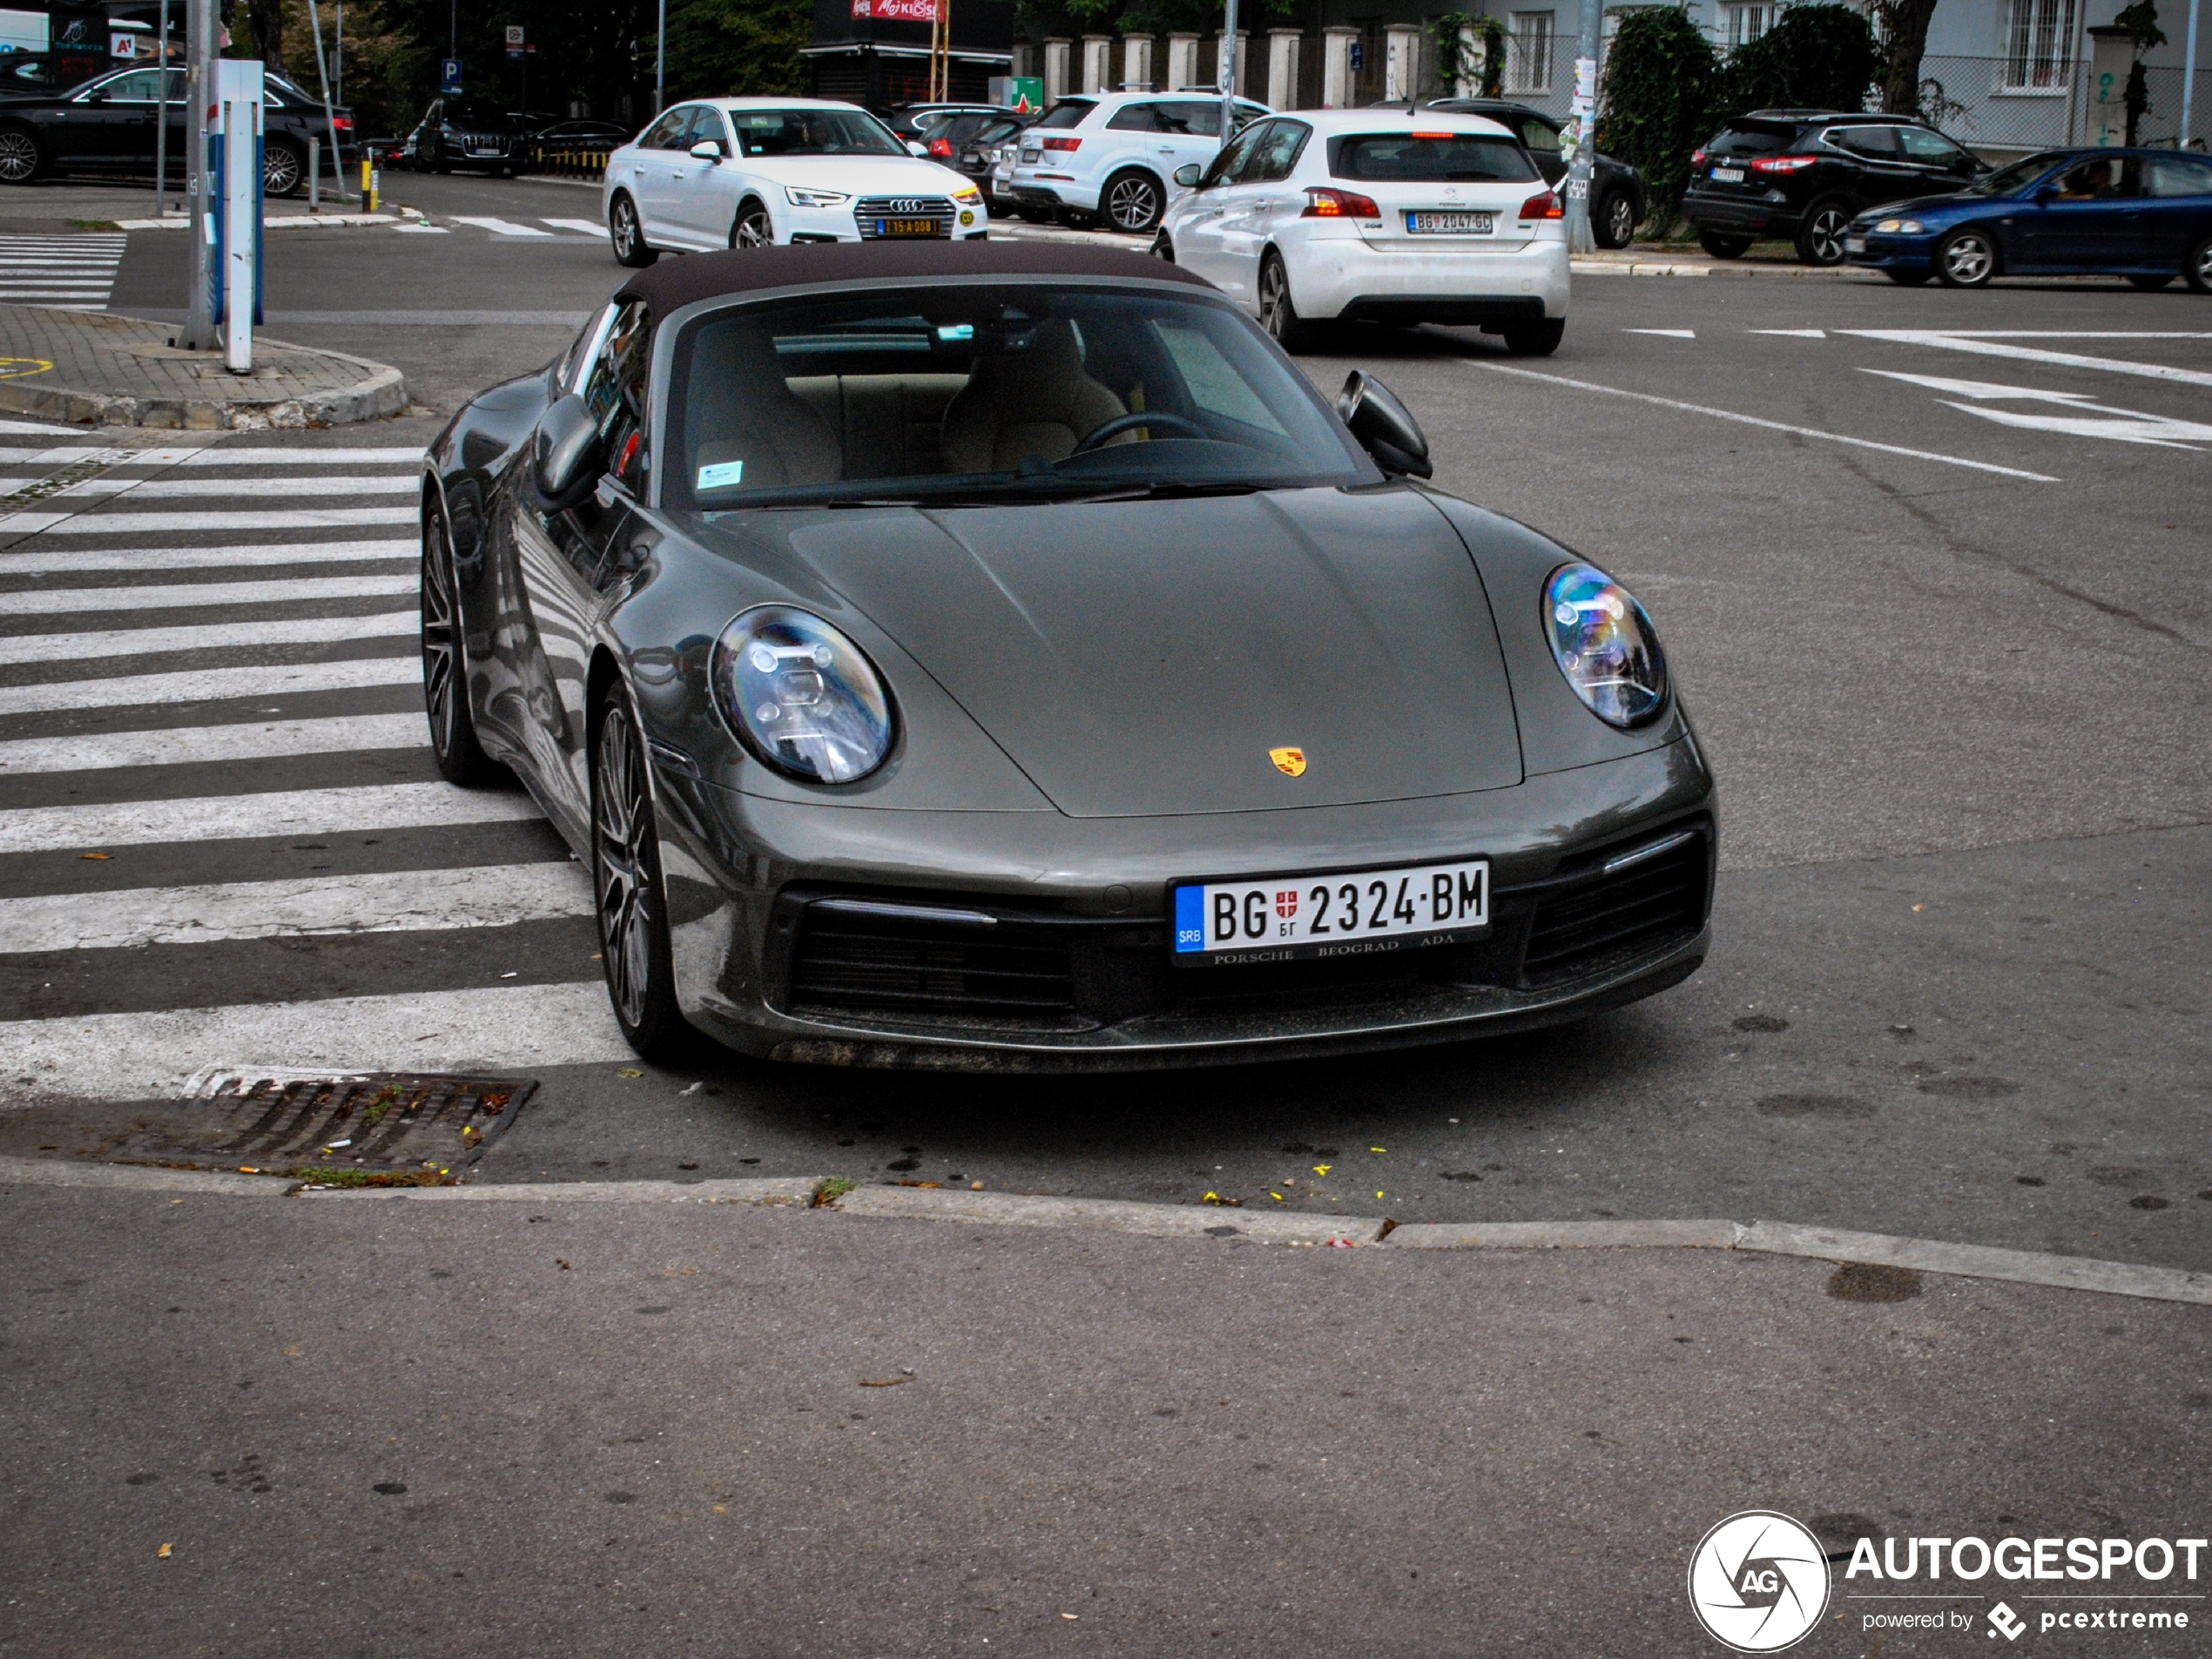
[
  {"x": 210, "y": 684},
  {"x": 584, "y": 227},
  {"x": 182, "y": 745},
  {"x": 166, "y": 523},
  {"x": 502, "y": 227},
  {"x": 492, "y": 896},
  {"x": 44, "y": 559},
  {"x": 239, "y": 488},
  {"x": 136, "y": 1056},
  {"x": 78, "y": 271},
  {"x": 47, "y": 601},
  {"x": 292, "y": 631},
  {"x": 221, "y": 818}
]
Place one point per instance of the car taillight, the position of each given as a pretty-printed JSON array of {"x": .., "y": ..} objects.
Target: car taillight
[
  {"x": 343, "y": 122},
  {"x": 1696, "y": 157},
  {"x": 940, "y": 146},
  {"x": 1783, "y": 164},
  {"x": 1544, "y": 206},
  {"x": 1324, "y": 203},
  {"x": 1063, "y": 143}
]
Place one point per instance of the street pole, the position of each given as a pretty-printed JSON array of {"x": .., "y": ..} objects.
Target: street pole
[
  {"x": 660, "y": 61},
  {"x": 161, "y": 130},
  {"x": 199, "y": 85},
  {"x": 453, "y": 29},
  {"x": 2188, "y": 76},
  {"x": 1229, "y": 71},
  {"x": 338, "y": 56},
  {"x": 1584, "y": 109},
  {"x": 329, "y": 115}
]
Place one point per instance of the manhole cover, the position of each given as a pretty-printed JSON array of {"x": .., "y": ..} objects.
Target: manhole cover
[{"x": 374, "y": 1130}]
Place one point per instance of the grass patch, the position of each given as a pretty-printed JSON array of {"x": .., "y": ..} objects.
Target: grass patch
[
  {"x": 832, "y": 1189},
  {"x": 94, "y": 225},
  {"x": 325, "y": 1176}
]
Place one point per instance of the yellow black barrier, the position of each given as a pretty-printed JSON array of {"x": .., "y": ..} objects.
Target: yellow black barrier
[{"x": 563, "y": 162}]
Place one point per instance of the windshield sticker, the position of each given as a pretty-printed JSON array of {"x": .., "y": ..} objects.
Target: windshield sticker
[{"x": 721, "y": 475}]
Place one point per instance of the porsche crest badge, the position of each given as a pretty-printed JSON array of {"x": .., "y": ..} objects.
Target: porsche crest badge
[{"x": 1290, "y": 762}]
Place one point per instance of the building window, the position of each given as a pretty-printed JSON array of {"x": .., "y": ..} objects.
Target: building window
[
  {"x": 2038, "y": 46},
  {"x": 1740, "y": 25},
  {"x": 1529, "y": 52}
]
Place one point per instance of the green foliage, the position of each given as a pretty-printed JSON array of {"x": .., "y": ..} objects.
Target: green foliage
[
  {"x": 1454, "y": 63},
  {"x": 1820, "y": 57},
  {"x": 737, "y": 48},
  {"x": 2141, "y": 21},
  {"x": 1660, "y": 78}
]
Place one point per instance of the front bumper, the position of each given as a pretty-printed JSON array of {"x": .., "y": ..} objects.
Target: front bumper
[
  {"x": 1073, "y": 973},
  {"x": 1891, "y": 252},
  {"x": 1345, "y": 276}
]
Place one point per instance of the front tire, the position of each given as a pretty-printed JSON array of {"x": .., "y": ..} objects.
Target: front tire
[
  {"x": 1132, "y": 202},
  {"x": 752, "y": 227},
  {"x": 461, "y": 759},
  {"x": 1722, "y": 246},
  {"x": 627, "y": 235},
  {"x": 1820, "y": 240},
  {"x": 1277, "y": 311},
  {"x": 1967, "y": 259},
  {"x": 22, "y": 158},
  {"x": 1614, "y": 225},
  {"x": 626, "y": 887},
  {"x": 2196, "y": 269},
  {"x": 1534, "y": 339}
]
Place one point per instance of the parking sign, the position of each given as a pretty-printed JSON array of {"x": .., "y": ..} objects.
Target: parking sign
[{"x": 449, "y": 75}]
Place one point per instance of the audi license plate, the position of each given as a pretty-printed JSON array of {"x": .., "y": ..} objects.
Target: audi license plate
[
  {"x": 908, "y": 227},
  {"x": 1349, "y": 914},
  {"x": 1727, "y": 175},
  {"x": 1449, "y": 223}
]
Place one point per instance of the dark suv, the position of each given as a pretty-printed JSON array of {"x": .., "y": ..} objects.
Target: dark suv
[
  {"x": 1804, "y": 174},
  {"x": 1617, "y": 189}
]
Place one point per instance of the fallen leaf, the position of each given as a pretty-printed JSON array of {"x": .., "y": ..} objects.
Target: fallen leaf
[
  {"x": 104, "y": 857},
  {"x": 1378, "y": 1195},
  {"x": 1919, "y": 906},
  {"x": 1377, "y": 1149},
  {"x": 564, "y": 1266},
  {"x": 1323, "y": 1169},
  {"x": 629, "y": 1071},
  {"x": 883, "y": 1382},
  {"x": 1068, "y": 1615},
  {"x": 163, "y": 1553},
  {"x": 1276, "y": 1197}
]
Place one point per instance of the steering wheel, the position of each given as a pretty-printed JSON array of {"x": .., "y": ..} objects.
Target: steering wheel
[{"x": 1121, "y": 424}]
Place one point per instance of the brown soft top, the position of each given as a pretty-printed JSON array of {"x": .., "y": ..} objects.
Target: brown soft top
[{"x": 672, "y": 285}]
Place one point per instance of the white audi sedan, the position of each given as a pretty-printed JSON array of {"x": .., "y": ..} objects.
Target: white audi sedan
[
  {"x": 1378, "y": 216},
  {"x": 748, "y": 171}
]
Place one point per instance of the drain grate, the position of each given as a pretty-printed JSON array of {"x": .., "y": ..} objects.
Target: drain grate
[{"x": 376, "y": 1129}]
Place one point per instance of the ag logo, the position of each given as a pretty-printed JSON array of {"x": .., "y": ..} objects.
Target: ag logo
[{"x": 1758, "y": 1582}]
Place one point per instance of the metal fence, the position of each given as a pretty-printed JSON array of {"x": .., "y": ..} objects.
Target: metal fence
[
  {"x": 563, "y": 160},
  {"x": 1978, "y": 102}
]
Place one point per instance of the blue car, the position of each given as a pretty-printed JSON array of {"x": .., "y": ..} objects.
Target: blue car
[{"x": 2143, "y": 214}]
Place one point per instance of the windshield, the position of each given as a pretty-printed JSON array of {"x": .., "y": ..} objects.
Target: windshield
[
  {"x": 487, "y": 116},
  {"x": 1432, "y": 157},
  {"x": 2008, "y": 181},
  {"x": 1069, "y": 112},
  {"x": 814, "y": 132},
  {"x": 989, "y": 392}
]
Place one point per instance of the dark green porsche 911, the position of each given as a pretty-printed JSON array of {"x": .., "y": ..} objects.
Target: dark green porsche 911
[{"x": 1001, "y": 657}]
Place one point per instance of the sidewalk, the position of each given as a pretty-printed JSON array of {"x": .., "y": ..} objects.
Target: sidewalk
[
  {"x": 1658, "y": 260},
  {"x": 98, "y": 369}
]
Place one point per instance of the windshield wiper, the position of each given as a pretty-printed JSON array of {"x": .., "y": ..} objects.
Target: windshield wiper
[{"x": 1170, "y": 489}]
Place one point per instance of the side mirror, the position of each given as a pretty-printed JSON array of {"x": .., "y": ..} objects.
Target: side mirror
[
  {"x": 2046, "y": 196},
  {"x": 1384, "y": 426},
  {"x": 564, "y": 451},
  {"x": 917, "y": 149},
  {"x": 95, "y": 97},
  {"x": 1187, "y": 175},
  {"x": 707, "y": 149}
]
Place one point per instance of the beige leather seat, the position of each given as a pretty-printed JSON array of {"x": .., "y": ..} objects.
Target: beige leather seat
[
  {"x": 1036, "y": 401},
  {"x": 745, "y": 410}
]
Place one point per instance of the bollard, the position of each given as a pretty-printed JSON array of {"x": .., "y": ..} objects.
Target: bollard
[
  {"x": 314, "y": 175},
  {"x": 369, "y": 186}
]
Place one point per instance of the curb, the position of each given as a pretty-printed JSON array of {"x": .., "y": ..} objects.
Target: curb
[
  {"x": 281, "y": 221},
  {"x": 785, "y": 1190},
  {"x": 381, "y": 392},
  {"x": 1667, "y": 268},
  {"x": 1105, "y": 1215}
]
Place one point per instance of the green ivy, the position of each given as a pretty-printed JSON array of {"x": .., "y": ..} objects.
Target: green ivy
[
  {"x": 1818, "y": 56},
  {"x": 1451, "y": 66},
  {"x": 1660, "y": 78}
]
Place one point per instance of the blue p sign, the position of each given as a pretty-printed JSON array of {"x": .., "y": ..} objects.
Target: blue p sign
[{"x": 449, "y": 75}]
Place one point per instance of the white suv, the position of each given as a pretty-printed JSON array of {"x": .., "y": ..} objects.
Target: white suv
[{"x": 1113, "y": 156}]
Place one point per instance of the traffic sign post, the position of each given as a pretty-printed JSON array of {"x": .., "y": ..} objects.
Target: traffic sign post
[{"x": 449, "y": 76}]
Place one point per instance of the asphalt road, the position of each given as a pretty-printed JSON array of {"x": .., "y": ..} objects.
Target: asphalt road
[{"x": 1930, "y": 567}]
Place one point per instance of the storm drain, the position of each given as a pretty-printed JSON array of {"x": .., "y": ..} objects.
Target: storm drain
[{"x": 379, "y": 1129}]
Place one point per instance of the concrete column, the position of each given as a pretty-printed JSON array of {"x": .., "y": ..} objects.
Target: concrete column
[
  {"x": 1281, "y": 68},
  {"x": 1401, "y": 61},
  {"x": 1183, "y": 62},
  {"x": 1338, "y": 81},
  {"x": 1055, "y": 69},
  {"x": 1137, "y": 63},
  {"x": 1098, "y": 60}
]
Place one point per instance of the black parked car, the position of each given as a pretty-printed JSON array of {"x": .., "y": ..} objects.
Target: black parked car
[
  {"x": 107, "y": 125},
  {"x": 460, "y": 132},
  {"x": 987, "y": 156},
  {"x": 1806, "y": 174},
  {"x": 941, "y": 128},
  {"x": 1617, "y": 189}
]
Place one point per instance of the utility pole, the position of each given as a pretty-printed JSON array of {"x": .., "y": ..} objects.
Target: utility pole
[
  {"x": 329, "y": 115},
  {"x": 660, "y": 61},
  {"x": 161, "y": 116},
  {"x": 2188, "y": 76},
  {"x": 453, "y": 29},
  {"x": 1584, "y": 108},
  {"x": 1229, "y": 72},
  {"x": 199, "y": 85}
]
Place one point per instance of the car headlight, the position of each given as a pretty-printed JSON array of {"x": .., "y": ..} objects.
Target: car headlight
[
  {"x": 1905, "y": 226},
  {"x": 1605, "y": 645},
  {"x": 798, "y": 197},
  {"x": 801, "y": 696},
  {"x": 968, "y": 195}
]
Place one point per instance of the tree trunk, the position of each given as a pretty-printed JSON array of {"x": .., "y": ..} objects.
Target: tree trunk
[
  {"x": 1905, "y": 23},
  {"x": 266, "y": 18}
]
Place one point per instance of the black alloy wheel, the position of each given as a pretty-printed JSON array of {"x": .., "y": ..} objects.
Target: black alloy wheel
[
  {"x": 283, "y": 168},
  {"x": 2196, "y": 269},
  {"x": 1133, "y": 202},
  {"x": 2151, "y": 284},
  {"x": 1722, "y": 246},
  {"x": 20, "y": 156},
  {"x": 1967, "y": 259},
  {"x": 1277, "y": 314},
  {"x": 627, "y": 235},
  {"x": 1821, "y": 239},
  {"x": 1614, "y": 222},
  {"x": 1534, "y": 339},
  {"x": 461, "y": 759},
  {"x": 752, "y": 227},
  {"x": 626, "y": 885}
]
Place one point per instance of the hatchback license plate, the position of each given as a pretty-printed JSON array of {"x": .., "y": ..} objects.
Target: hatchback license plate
[
  {"x": 908, "y": 227},
  {"x": 1728, "y": 175},
  {"x": 1029, "y": 156},
  {"x": 1351, "y": 913},
  {"x": 1449, "y": 223}
]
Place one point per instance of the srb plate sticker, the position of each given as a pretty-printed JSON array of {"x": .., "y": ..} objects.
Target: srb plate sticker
[
  {"x": 721, "y": 475},
  {"x": 1351, "y": 913}
]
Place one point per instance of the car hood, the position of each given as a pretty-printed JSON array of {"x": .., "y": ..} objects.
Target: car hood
[
  {"x": 1923, "y": 206},
  {"x": 1144, "y": 657},
  {"x": 859, "y": 175}
]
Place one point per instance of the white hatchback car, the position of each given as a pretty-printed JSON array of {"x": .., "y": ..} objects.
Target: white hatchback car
[
  {"x": 1114, "y": 155},
  {"x": 1377, "y": 215},
  {"x": 748, "y": 171}
]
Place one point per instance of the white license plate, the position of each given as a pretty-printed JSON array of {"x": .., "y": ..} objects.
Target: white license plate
[
  {"x": 1854, "y": 245},
  {"x": 1728, "y": 175},
  {"x": 1030, "y": 157},
  {"x": 1449, "y": 223},
  {"x": 1347, "y": 914},
  {"x": 483, "y": 152}
]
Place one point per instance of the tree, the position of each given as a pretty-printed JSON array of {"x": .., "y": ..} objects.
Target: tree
[
  {"x": 1660, "y": 78},
  {"x": 1816, "y": 56},
  {"x": 737, "y": 48},
  {"x": 1904, "y": 33},
  {"x": 2141, "y": 21}
]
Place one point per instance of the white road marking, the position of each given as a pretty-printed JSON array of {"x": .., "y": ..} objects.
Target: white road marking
[
  {"x": 502, "y": 226},
  {"x": 42, "y": 427},
  {"x": 1772, "y": 426},
  {"x": 401, "y": 483},
  {"x": 281, "y": 591},
  {"x": 130, "y": 642},
  {"x": 213, "y": 519},
  {"x": 194, "y": 686},
  {"x": 1670, "y": 334},
  {"x": 179, "y": 746},
  {"x": 217, "y": 818},
  {"x": 1792, "y": 333},
  {"x": 2073, "y": 334},
  {"x": 135, "y": 1056},
  {"x": 2120, "y": 425},
  {"x": 420, "y": 229},
  {"x": 485, "y": 895},
  {"x": 179, "y": 455},
  {"x": 1944, "y": 341},
  {"x": 44, "y": 560},
  {"x": 585, "y": 227}
]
